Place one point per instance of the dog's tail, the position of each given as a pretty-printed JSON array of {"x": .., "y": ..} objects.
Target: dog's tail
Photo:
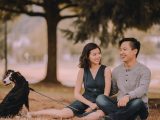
[
  {"x": 27, "y": 100},
  {"x": 27, "y": 104}
]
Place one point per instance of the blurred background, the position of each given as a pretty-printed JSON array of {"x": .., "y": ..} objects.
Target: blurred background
[
  {"x": 27, "y": 50},
  {"x": 43, "y": 40}
]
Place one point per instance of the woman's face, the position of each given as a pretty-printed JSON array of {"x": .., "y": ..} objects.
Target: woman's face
[{"x": 95, "y": 56}]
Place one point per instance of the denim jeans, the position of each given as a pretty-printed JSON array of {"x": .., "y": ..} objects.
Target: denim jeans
[{"x": 134, "y": 108}]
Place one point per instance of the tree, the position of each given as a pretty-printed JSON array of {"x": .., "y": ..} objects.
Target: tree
[
  {"x": 98, "y": 15},
  {"x": 1, "y": 41},
  {"x": 93, "y": 18},
  {"x": 51, "y": 10}
]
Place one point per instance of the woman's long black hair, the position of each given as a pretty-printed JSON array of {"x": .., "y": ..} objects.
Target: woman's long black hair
[{"x": 84, "y": 61}]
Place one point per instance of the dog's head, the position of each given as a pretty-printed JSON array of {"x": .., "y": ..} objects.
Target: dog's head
[
  {"x": 7, "y": 79},
  {"x": 11, "y": 76}
]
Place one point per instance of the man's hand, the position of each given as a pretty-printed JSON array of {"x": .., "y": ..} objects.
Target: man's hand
[{"x": 123, "y": 101}]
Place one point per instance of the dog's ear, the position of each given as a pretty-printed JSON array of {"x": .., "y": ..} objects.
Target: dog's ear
[
  {"x": 18, "y": 73},
  {"x": 17, "y": 77}
]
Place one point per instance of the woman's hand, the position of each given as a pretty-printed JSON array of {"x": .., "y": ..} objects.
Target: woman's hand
[{"x": 92, "y": 106}]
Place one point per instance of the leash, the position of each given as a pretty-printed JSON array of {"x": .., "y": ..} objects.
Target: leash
[{"x": 53, "y": 99}]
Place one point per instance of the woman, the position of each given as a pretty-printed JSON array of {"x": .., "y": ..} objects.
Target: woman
[{"x": 96, "y": 79}]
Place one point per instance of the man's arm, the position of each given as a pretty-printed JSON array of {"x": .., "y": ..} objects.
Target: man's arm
[{"x": 143, "y": 85}]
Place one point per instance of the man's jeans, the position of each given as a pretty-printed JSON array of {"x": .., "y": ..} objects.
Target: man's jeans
[{"x": 134, "y": 108}]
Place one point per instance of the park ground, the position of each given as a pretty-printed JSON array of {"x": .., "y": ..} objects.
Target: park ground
[
  {"x": 67, "y": 75},
  {"x": 59, "y": 93}
]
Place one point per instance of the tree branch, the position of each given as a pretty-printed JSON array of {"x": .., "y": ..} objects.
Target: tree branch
[
  {"x": 67, "y": 6},
  {"x": 69, "y": 16},
  {"x": 65, "y": 1},
  {"x": 34, "y": 3},
  {"x": 30, "y": 13}
]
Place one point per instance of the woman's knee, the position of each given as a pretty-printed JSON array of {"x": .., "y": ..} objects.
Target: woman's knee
[
  {"x": 100, "y": 113},
  {"x": 66, "y": 113}
]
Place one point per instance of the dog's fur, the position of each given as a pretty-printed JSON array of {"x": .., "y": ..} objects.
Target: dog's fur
[{"x": 17, "y": 97}]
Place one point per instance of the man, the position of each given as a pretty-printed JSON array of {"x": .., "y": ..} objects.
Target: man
[{"x": 131, "y": 80}]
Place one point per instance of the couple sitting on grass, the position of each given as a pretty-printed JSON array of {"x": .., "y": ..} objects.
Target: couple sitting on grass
[{"x": 130, "y": 81}]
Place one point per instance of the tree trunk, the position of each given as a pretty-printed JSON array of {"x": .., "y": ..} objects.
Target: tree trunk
[
  {"x": 5, "y": 46},
  {"x": 52, "y": 19}
]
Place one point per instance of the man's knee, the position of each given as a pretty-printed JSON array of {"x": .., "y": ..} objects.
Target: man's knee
[
  {"x": 143, "y": 109},
  {"x": 101, "y": 100},
  {"x": 137, "y": 103}
]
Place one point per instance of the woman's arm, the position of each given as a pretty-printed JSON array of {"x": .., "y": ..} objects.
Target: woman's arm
[
  {"x": 77, "y": 90},
  {"x": 107, "y": 75}
]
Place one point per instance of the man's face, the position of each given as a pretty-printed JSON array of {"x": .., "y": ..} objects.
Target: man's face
[{"x": 126, "y": 52}]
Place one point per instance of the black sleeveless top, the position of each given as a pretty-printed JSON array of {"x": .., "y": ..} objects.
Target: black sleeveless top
[{"x": 94, "y": 87}]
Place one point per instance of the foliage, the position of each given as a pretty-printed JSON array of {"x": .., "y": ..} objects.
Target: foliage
[{"x": 95, "y": 16}]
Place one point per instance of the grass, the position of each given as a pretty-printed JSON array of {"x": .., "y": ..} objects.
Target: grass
[{"x": 59, "y": 93}]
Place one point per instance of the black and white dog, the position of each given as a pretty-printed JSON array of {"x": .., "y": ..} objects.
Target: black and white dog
[{"x": 17, "y": 97}]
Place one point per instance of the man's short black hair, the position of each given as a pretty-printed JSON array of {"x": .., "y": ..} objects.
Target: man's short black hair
[{"x": 134, "y": 43}]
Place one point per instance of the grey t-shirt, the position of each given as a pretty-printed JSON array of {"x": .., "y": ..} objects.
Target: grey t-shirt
[{"x": 134, "y": 81}]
